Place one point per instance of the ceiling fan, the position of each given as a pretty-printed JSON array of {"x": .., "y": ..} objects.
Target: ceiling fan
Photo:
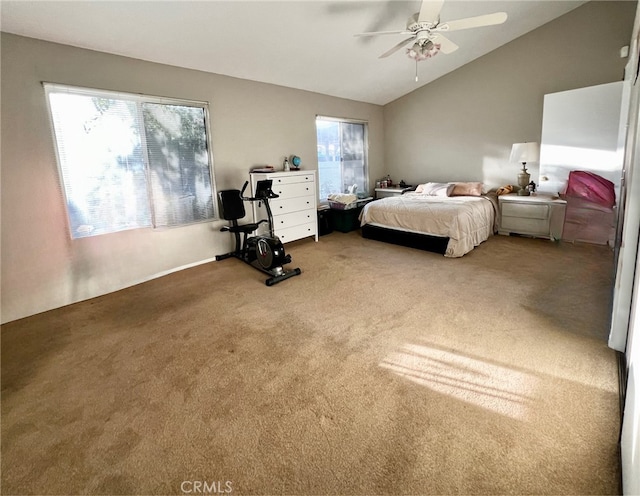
[{"x": 426, "y": 31}]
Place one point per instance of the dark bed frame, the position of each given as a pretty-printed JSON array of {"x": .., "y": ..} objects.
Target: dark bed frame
[{"x": 437, "y": 244}]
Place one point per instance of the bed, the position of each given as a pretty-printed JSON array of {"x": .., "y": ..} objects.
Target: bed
[{"x": 452, "y": 225}]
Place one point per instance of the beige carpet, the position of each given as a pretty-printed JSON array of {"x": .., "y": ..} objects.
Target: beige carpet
[{"x": 379, "y": 370}]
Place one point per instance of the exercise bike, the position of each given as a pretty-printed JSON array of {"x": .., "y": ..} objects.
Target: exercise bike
[{"x": 264, "y": 252}]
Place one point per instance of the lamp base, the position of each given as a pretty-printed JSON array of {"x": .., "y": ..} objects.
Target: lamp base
[{"x": 523, "y": 181}]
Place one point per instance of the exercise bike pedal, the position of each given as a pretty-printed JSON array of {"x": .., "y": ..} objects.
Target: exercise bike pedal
[{"x": 282, "y": 277}]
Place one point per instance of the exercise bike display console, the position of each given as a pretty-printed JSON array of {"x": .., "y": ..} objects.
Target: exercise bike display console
[{"x": 263, "y": 252}]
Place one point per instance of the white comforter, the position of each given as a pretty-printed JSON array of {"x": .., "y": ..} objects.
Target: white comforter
[{"x": 466, "y": 220}]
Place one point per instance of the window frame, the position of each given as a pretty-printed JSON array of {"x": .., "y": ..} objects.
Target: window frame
[
  {"x": 346, "y": 120},
  {"x": 139, "y": 99}
]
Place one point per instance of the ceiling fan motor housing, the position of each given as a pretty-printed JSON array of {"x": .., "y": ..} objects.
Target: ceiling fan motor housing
[{"x": 414, "y": 25}]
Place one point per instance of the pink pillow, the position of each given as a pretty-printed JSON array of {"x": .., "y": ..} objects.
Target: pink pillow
[{"x": 467, "y": 189}]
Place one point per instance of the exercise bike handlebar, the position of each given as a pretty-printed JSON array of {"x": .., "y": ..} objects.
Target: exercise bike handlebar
[
  {"x": 269, "y": 196},
  {"x": 244, "y": 187}
]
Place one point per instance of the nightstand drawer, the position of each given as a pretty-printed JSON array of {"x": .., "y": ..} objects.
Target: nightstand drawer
[
  {"x": 525, "y": 225},
  {"x": 525, "y": 210}
]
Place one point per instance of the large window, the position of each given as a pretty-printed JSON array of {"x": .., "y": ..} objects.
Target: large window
[
  {"x": 129, "y": 161},
  {"x": 342, "y": 155}
]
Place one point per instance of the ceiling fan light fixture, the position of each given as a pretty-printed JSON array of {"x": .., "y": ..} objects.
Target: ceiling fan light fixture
[
  {"x": 424, "y": 28},
  {"x": 414, "y": 52},
  {"x": 425, "y": 51}
]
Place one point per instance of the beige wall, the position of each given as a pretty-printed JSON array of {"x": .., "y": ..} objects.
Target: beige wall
[
  {"x": 252, "y": 123},
  {"x": 462, "y": 126}
]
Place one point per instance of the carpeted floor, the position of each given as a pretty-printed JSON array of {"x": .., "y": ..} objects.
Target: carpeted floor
[{"x": 379, "y": 370}]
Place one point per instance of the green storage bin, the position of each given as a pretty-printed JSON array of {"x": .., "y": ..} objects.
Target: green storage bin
[{"x": 345, "y": 220}]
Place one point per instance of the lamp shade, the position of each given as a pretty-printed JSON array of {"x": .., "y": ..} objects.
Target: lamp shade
[{"x": 525, "y": 152}]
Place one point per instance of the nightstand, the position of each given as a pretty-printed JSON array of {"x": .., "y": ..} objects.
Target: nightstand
[
  {"x": 393, "y": 191},
  {"x": 540, "y": 215}
]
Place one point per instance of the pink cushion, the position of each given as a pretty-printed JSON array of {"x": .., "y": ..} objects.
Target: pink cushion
[{"x": 467, "y": 189}]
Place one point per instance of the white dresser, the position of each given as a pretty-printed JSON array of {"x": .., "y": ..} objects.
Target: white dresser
[{"x": 295, "y": 213}]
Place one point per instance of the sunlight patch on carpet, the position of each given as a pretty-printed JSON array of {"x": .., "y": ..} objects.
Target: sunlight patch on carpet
[{"x": 494, "y": 387}]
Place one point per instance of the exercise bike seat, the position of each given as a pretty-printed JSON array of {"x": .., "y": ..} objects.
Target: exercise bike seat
[{"x": 244, "y": 228}]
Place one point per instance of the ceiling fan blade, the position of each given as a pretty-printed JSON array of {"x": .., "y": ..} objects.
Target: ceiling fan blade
[
  {"x": 376, "y": 33},
  {"x": 396, "y": 48},
  {"x": 474, "y": 22},
  {"x": 446, "y": 45},
  {"x": 430, "y": 11}
]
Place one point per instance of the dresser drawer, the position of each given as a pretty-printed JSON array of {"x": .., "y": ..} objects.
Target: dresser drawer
[
  {"x": 296, "y": 232},
  {"x": 525, "y": 210},
  {"x": 293, "y": 178},
  {"x": 288, "y": 205},
  {"x": 294, "y": 189},
  {"x": 293, "y": 219}
]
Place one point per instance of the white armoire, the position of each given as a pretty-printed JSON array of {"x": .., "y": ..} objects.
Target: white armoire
[{"x": 584, "y": 130}]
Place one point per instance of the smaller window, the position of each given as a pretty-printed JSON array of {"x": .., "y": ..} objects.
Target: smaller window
[{"x": 342, "y": 156}]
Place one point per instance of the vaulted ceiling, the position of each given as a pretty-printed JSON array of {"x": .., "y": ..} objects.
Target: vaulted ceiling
[{"x": 304, "y": 44}]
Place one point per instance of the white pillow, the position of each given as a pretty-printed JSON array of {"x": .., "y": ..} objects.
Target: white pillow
[{"x": 436, "y": 189}]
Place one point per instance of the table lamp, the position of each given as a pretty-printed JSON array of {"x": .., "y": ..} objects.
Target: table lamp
[{"x": 523, "y": 153}]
